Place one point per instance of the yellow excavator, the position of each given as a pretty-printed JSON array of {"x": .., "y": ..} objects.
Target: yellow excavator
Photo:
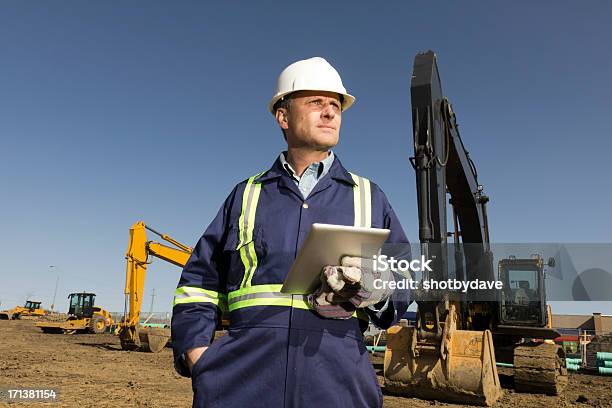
[
  {"x": 452, "y": 353},
  {"x": 139, "y": 251},
  {"x": 31, "y": 309}
]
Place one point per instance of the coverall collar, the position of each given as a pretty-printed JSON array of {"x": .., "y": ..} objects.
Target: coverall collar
[{"x": 336, "y": 171}]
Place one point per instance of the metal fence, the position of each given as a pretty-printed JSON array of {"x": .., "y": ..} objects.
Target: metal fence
[{"x": 147, "y": 319}]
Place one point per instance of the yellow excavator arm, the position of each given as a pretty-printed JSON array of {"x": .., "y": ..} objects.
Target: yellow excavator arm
[{"x": 138, "y": 253}]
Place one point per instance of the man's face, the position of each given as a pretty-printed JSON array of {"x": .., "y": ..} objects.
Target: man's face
[{"x": 312, "y": 120}]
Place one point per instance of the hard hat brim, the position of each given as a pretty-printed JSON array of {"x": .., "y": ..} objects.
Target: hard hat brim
[{"x": 347, "y": 99}]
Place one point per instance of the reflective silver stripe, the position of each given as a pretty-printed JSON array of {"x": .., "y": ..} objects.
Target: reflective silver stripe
[
  {"x": 277, "y": 299},
  {"x": 247, "y": 211},
  {"x": 250, "y": 198},
  {"x": 248, "y": 266},
  {"x": 190, "y": 294},
  {"x": 362, "y": 201},
  {"x": 260, "y": 295},
  {"x": 246, "y": 217}
]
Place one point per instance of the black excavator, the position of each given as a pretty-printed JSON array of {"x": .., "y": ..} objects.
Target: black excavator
[{"x": 451, "y": 353}]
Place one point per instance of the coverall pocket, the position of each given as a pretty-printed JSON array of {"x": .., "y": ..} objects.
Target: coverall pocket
[
  {"x": 199, "y": 366},
  {"x": 203, "y": 383},
  {"x": 243, "y": 253},
  {"x": 203, "y": 362},
  {"x": 236, "y": 239}
]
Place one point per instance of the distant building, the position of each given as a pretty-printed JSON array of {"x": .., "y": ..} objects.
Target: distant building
[
  {"x": 584, "y": 335},
  {"x": 573, "y": 324}
]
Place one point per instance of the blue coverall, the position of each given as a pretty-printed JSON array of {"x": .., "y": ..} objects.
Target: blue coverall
[{"x": 277, "y": 352}]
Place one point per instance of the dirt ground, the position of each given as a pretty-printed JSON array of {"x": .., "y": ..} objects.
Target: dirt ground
[{"x": 92, "y": 370}]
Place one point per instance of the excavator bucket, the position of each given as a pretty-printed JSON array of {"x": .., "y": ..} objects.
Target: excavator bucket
[
  {"x": 149, "y": 339},
  {"x": 466, "y": 374},
  {"x": 153, "y": 339}
]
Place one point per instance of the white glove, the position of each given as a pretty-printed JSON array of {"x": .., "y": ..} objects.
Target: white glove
[{"x": 354, "y": 279}]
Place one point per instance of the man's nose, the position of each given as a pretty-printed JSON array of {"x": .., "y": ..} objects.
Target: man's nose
[{"x": 328, "y": 111}]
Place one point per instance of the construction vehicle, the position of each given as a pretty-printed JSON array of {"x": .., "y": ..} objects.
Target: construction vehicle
[
  {"x": 83, "y": 317},
  {"x": 131, "y": 334},
  {"x": 31, "y": 309},
  {"x": 451, "y": 353}
]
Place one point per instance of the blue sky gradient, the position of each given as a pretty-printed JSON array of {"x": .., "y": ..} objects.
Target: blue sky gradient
[{"x": 113, "y": 112}]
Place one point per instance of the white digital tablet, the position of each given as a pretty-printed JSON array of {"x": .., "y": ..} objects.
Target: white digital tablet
[{"x": 325, "y": 245}]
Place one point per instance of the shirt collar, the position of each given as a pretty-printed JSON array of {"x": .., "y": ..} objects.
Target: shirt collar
[
  {"x": 336, "y": 171},
  {"x": 323, "y": 166}
]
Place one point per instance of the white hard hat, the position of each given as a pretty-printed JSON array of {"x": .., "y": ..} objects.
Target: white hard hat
[{"x": 313, "y": 74}]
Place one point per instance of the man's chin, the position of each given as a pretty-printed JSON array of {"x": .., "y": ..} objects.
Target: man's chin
[{"x": 325, "y": 143}]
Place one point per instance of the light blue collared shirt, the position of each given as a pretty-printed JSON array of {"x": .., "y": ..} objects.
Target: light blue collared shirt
[{"x": 311, "y": 175}]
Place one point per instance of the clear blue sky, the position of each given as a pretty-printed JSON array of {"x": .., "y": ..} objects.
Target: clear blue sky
[{"x": 114, "y": 112}]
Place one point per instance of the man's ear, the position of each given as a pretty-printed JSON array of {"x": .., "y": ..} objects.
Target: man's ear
[{"x": 282, "y": 118}]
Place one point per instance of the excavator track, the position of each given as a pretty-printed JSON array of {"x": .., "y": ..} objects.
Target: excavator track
[{"x": 539, "y": 368}]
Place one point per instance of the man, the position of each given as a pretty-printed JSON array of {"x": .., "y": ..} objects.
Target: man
[{"x": 283, "y": 350}]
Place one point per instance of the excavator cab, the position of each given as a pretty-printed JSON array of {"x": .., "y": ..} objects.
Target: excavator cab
[
  {"x": 32, "y": 306},
  {"x": 523, "y": 299},
  {"x": 81, "y": 305}
]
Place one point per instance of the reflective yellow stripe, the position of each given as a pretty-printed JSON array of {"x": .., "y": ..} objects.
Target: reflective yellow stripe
[
  {"x": 356, "y": 200},
  {"x": 260, "y": 302},
  {"x": 193, "y": 289},
  {"x": 195, "y": 299},
  {"x": 362, "y": 201},
  {"x": 269, "y": 295},
  {"x": 368, "y": 203},
  {"x": 246, "y": 224},
  {"x": 254, "y": 289},
  {"x": 251, "y": 248},
  {"x": 191, "y": 294},
  {"x": 249, "y": 260},
  {"x": 361, "y": 314},
  {"x": 301, "y": 304},
  {"x": 362, "y": 205}
]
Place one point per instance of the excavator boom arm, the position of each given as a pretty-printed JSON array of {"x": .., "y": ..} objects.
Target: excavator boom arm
[
  {"x": 137, "y": 255},
  {"x": 443, "y": 164},
  {"x": 436, "y": 359}
]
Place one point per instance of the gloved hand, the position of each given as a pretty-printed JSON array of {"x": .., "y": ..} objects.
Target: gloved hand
[
  {"x": 354, "y": 281},
  {"x": 329, "y": 304}
]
